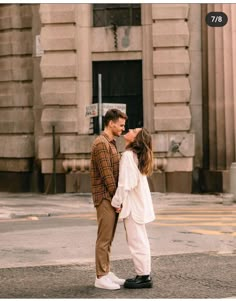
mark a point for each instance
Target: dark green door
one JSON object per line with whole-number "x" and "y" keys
{"x": 121, "y": 83}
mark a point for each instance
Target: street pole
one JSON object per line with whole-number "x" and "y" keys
{"x": 100, "y": 102}
{"x": 54, "y": 160}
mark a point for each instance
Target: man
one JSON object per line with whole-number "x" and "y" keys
{"x": 104, "y": 180}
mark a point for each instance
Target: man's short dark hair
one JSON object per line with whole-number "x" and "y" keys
{"x": 114, "y": 115}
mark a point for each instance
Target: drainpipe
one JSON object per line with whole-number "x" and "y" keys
{"x": 54, "y": 159}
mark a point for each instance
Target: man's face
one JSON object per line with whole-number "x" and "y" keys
{"x": 117, "y": 127}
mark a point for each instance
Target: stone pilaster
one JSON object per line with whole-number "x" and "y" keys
{"x": 147, "y": 59}
{"x": 221, "y": 90}
{"x": 84, "y": 64}
{"x": 16, "y": 90}
{"x": 219, "y": 97}
{"x": 171, "y": 67}
{"x": 233, "y": 39}
{"x": 172, "y": 95}
{"x": 66, "y": 68}
{"x": 59, "y": 73}
{"x": 195, "y": 80}
{"x": 58, "y": 68}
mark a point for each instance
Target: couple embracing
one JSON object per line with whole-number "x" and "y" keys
{"x": 120, "y": 189}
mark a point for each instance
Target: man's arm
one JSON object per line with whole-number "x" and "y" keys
{"x": 103, "y": 159}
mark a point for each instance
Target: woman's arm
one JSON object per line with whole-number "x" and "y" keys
{"x": 128, "y": 179}
{"x": 119, "y": 197}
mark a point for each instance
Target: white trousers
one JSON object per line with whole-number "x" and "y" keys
{"x": 139, "y": 246}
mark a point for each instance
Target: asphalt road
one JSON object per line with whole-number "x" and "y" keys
{"x": 47, "y": 249}
{"x": 175, "y": 276}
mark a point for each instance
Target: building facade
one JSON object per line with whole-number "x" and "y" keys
{"x": 176, "y": 75}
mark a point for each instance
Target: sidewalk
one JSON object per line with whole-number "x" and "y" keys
{"x": 19, "y": 205}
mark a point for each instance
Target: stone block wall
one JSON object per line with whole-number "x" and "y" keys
{"x": 66, "y": 88}
{"x": 70, "y": 43}
{"x": 188, "y": 90}
{"x": 16, "y": 89}
{"x": 175, "y": 140}
{"x": 171, "y": 67}
{"x": 37, "y": 94}
{"x": 58, "y": 69}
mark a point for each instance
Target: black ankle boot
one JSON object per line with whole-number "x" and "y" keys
{"x": 144, "y": 281}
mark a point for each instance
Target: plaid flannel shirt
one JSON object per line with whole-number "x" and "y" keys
{"x": 104, "y": 168}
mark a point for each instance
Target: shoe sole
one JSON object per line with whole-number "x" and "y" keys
{"x": 141, "y": 285}
{"x": 121, "y": 283}
{"x": 106, "y": 288}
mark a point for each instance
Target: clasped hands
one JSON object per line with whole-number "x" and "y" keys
{"x": 116, "y": 205}
{"x": 118, "y": 210}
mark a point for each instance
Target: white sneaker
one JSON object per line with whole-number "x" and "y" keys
{"x": 106, "y": 283}
{"x": 115, "y": 279}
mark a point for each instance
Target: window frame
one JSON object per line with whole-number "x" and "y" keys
{"x": 107, "y": 9}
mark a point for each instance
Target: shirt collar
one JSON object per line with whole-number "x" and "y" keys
{"x": 108, "y": 138}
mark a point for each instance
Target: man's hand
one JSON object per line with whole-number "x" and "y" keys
{"x": 118, "y": 210}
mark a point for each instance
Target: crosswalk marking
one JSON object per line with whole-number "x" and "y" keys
{"x": 201, "y": 220}
{"x": 212, "y": 232}
{"x": 194, "y": 224}
{"x": 90, "y": 216}
{"x": 189, "y": 218}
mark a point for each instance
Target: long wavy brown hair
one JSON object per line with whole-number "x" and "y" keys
{"x": 142, "y": 146}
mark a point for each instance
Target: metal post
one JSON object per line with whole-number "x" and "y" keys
{"x": 54, "y": 160}
{"x": 100, "y": 102}
{"x": 232, "y": 179}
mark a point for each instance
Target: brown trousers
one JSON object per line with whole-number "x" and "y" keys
{"x": 107, "y": 221}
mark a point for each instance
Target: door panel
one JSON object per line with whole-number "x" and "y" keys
{"x": 121, "y": 83}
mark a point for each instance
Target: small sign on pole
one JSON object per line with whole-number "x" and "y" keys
{"x": 92, "y": 110}
{"x": 109, "y": 106}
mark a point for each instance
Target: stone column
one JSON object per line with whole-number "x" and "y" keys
{"x": 221, "y": 79}
{"x": 232, "y": 16}
{"x": 172, "y": 94}
{"x": 220, "y": 97}
{"x": 148, "y": 101}
{"x": 58, "y": 92}
{"x": 84, "y": 64}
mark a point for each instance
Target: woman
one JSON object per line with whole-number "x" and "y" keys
{"x": 133, "y": 200}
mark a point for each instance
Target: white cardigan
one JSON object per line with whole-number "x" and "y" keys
{"x": 133, "y": 191}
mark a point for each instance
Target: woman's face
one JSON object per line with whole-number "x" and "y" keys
{"x": 132, "y": 133}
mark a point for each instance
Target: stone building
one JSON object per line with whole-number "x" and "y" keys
{"x": 176, "y": 75}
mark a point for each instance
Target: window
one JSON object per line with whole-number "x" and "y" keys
{"x": 118, "y": 14}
